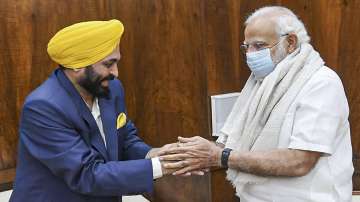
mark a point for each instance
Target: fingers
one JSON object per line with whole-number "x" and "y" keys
{"x": 184, "y": 170}
{"x": 187, "y": 144}
{"x": 174, "y": 165}
{"x": 189, "y": 139}
{"x": 173, "y": 150}
{"x": 186, "y": 174}
{"x": 198, "y": 172}
{"x": 176, "y": 150}
{"x": 182, "y": 148}
{"x": 172, "y": 145}
{"x": 184, "y": 152}
{"x": 174, "y": 157}
{"x": 195, "y": 172}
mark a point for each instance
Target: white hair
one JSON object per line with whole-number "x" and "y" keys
{"x": 286, "y": 22}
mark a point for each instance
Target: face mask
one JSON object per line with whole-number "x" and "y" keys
{"x": 260, "y": 63}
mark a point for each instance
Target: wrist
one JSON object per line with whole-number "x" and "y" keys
{"x": 217, "y": 158}
{"x": 151, "y": 153}
{"x": 163, "y": 169}
{"x": 225, "y": 154}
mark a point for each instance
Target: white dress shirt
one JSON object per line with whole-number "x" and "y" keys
{"x": 320, "y": 124}
{"x": 95, "y": 111}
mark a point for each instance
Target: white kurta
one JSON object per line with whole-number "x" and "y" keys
{"x": 320, "y": 124}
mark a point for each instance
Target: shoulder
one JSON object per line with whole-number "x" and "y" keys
{"x": 325, "y": 80}
{"x": 48, "y": 91}
{"x": 326, "y": 75}
{"x": 49, "y": 99}
{"x": 325, "y": 91}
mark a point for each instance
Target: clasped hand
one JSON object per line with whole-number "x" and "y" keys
{"x": 193, "y": 155}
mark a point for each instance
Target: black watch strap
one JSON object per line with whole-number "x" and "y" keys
{"x": 225, "y": 157}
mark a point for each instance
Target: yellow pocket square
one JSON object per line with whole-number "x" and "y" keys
{"x": 121, "y": 120}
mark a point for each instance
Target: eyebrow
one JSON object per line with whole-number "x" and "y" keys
{"x": 257, "y": 39}
{"x": 255, "y": 42}
{"x": 113, "y": 60}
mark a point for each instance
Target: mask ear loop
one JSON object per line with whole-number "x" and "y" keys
{"x": 278, "y": 41}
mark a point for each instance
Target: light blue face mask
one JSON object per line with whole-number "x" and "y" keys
{"x": 260, "y": 63}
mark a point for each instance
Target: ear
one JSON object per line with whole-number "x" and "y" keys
{"x": 292, "y": 42}
{"x": 74, "y": 73}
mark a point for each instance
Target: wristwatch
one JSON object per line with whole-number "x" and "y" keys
{"x": 225, "y": 157}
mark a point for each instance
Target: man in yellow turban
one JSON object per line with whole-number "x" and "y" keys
{"x": 76, "y": 143}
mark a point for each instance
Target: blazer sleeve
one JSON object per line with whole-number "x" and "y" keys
{"x": 134, "y": 147}
{"x": 49, "y": 137}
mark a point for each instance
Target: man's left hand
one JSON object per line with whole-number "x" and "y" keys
{"x": 195, "y": 153}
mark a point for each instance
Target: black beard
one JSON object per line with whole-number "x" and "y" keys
{"x": 92, "y": 83}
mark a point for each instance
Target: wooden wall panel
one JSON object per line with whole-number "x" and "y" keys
{"x": 48, "y": 17}
{"x": 226, "y": 71}
{"x": 164, "y": 76}
{"x": 349, "y": 71}
{"x": 165, "y": 48}
{"x": 223, "y": 36}
{"x": 175, "y": 54}
{"x": 15, "y": 61}
{"x": 324, "y": 26}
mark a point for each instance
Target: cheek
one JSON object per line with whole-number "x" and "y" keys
{"x": 102, "y": 76}
{"x": 279, "y": 53}
{"x": 273, "y": 53}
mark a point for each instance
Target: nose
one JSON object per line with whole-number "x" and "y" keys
{"x": 114, "y": 70}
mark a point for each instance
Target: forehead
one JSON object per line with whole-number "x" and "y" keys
{"x": 261, "y": 29}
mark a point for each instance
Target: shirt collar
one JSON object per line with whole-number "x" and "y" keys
{"x": 95, "y": 111}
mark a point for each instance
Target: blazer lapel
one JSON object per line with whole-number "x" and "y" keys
{"x": 94, "y": 137}
{"x": 108, "y": 117}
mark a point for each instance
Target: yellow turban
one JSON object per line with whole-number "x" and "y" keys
{"x": 85, "y": 43}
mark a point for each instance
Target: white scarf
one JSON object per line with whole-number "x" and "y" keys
{"x": 256, "y": 119}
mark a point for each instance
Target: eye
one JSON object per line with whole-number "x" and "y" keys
{"x": 259, "y": 45}
{"x": 109, "y": 64}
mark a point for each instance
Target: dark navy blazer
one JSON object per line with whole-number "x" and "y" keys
{"x": 62, "y": 157}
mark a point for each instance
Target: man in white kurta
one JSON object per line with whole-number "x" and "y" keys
{"x": 287, "y": 138}
{"x": 320, "y": 124}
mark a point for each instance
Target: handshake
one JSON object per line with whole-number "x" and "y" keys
{"x": 188, "y": 156}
